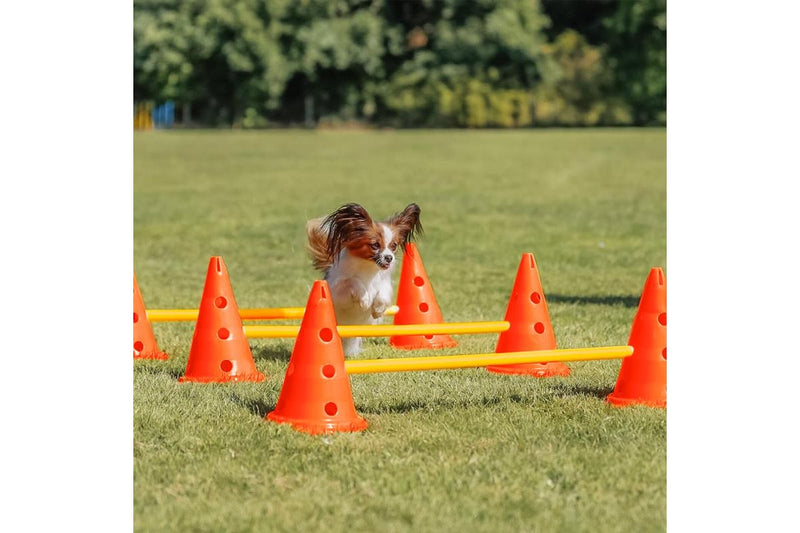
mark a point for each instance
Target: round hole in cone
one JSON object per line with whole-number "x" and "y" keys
{"x": 328, "y": 371}
{"x": 326, "y": 334}
{"x": 221, "y": 302}
{"x": 224, "y": 333}
{"x": 662, "y": 319}
{"x": 226, "y": 365}
{"x": 135, "y": 318}
{"x": 418, "y": 281}
{"x": 138, "y": 346}
{"x": 536, "y": 297}
{"x": 423, "y": 307}
{"x": 538, "y": 327}
{"x": 331, "y": 409}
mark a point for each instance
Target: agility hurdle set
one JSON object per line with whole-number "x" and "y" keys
{"x": 316, "y": 396}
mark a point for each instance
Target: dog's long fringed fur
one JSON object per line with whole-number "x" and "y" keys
{"x": 357, "y": 256}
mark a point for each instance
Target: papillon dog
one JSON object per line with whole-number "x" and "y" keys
{"x": 357, "y": 255}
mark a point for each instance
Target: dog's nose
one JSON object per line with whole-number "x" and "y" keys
{"x": 388, "y": 258}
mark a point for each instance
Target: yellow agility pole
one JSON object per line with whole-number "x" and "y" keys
{"x": 385, "y": 330}
{"x": 448, "y": 362}
{"x": 270, "y": 313}
{"x": 178, "y": 315}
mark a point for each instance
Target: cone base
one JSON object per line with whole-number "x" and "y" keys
{"x": 538, "y": 370}
{"x": 320, "y": 427}
{"x": 154, "y": 355}
{"x": 421, "y": 342}
{"x": 619, "y": 401}
{"x": 255, "y": 376}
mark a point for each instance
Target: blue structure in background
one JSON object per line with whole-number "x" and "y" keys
{"x": 164, "y": 115}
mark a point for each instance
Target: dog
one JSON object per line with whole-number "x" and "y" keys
{"x": 357, "y": 256}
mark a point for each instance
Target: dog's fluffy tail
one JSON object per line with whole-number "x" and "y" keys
{"x": 317, "y": 245}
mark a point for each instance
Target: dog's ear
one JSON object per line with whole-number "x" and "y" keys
{"x": 349, "y": 222}
{"x": 406, "y": 224}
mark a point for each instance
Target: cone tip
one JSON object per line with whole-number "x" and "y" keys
{"x": 217, "y": 264}
{"x": 320, "y": 289}
{"x": 654, "y": 292}
{"x": 657, "y": 276}
{"x": 528, "y": 260}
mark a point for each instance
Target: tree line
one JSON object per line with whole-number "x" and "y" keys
{"x": 409, "y": 63}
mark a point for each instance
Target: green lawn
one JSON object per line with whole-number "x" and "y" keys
{"x": 461, "y": 450}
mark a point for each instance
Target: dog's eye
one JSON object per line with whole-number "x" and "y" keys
{"x": 375, "y": 246}
{"x": 393, "y": 246}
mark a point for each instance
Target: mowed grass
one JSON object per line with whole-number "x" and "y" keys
{"x": 461, "y": 450}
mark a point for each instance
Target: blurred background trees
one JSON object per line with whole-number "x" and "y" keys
{"x": 411, "y": 63}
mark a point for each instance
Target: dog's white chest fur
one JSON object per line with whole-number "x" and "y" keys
{"x": 359, "y": 289}
{"x": 361, "y": 293}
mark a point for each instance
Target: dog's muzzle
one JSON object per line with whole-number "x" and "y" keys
{"x": 384, "y": 261}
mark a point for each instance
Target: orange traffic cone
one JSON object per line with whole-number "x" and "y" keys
{"x": 643, "y": 376}
{"x": 417, "y": 305}
{"x": 316, "y": 396}
{"x": 144, "y": 342}
{"x": 220, "y": 351}
{"x": 530, "y": 324}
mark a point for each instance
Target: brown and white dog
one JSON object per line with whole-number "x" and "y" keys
{"x": 357, "y": 255}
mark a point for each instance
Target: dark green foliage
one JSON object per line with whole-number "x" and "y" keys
{"x": 465, "y": 63}
{"x": 472, "y": 64}
{"x": 223, "y": 55}
{"x": 637, "y": 50}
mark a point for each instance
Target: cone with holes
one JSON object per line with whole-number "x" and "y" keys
{"x": 220, "y": 351}
{"x": 643, "y": 376}
{"x": 417, "y": 305}
{"x": 144, "y": 342}
{"x": 530, "y": 324}
{"x": 316, "y": 396}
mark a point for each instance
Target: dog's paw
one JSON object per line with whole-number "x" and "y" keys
{"x": 360, "y": 296}
{"x": 378, "y": 309}
{"x": 361, "y": 300}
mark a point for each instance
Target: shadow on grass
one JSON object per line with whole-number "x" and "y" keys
{"x": 272, "y": 353}
{"x": 626, "y": 301}
{"x": 408, "y": 406}
{"x": 156, "y": 368}
{"x": 555, "y": 392}
{"x": 175, "y": 374}
{"x": 260, "y": 408}
{"x": 563, "y": 390}
{"x": 257, "y": 407}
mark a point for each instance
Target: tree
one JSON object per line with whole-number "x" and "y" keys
{"x": 338, "y": 50}
{"x": 637, "y": 53}
{"x": 472, "y": 63}
{"x": 581, "y": 93}
{"x": 631, "y": 37}
{"x": 224, "y": 55}
{"x": 457, "y": 53}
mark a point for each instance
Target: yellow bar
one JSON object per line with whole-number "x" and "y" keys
{"x": 447, "y": 362}
{"x": 385, "y": 330}
{"x": 273, "y": 313}
{"x": 271, "y": 332}
{"x": 171, "y": 315}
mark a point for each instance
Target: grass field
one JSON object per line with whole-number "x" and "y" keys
{"x": 461, "y": 450}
